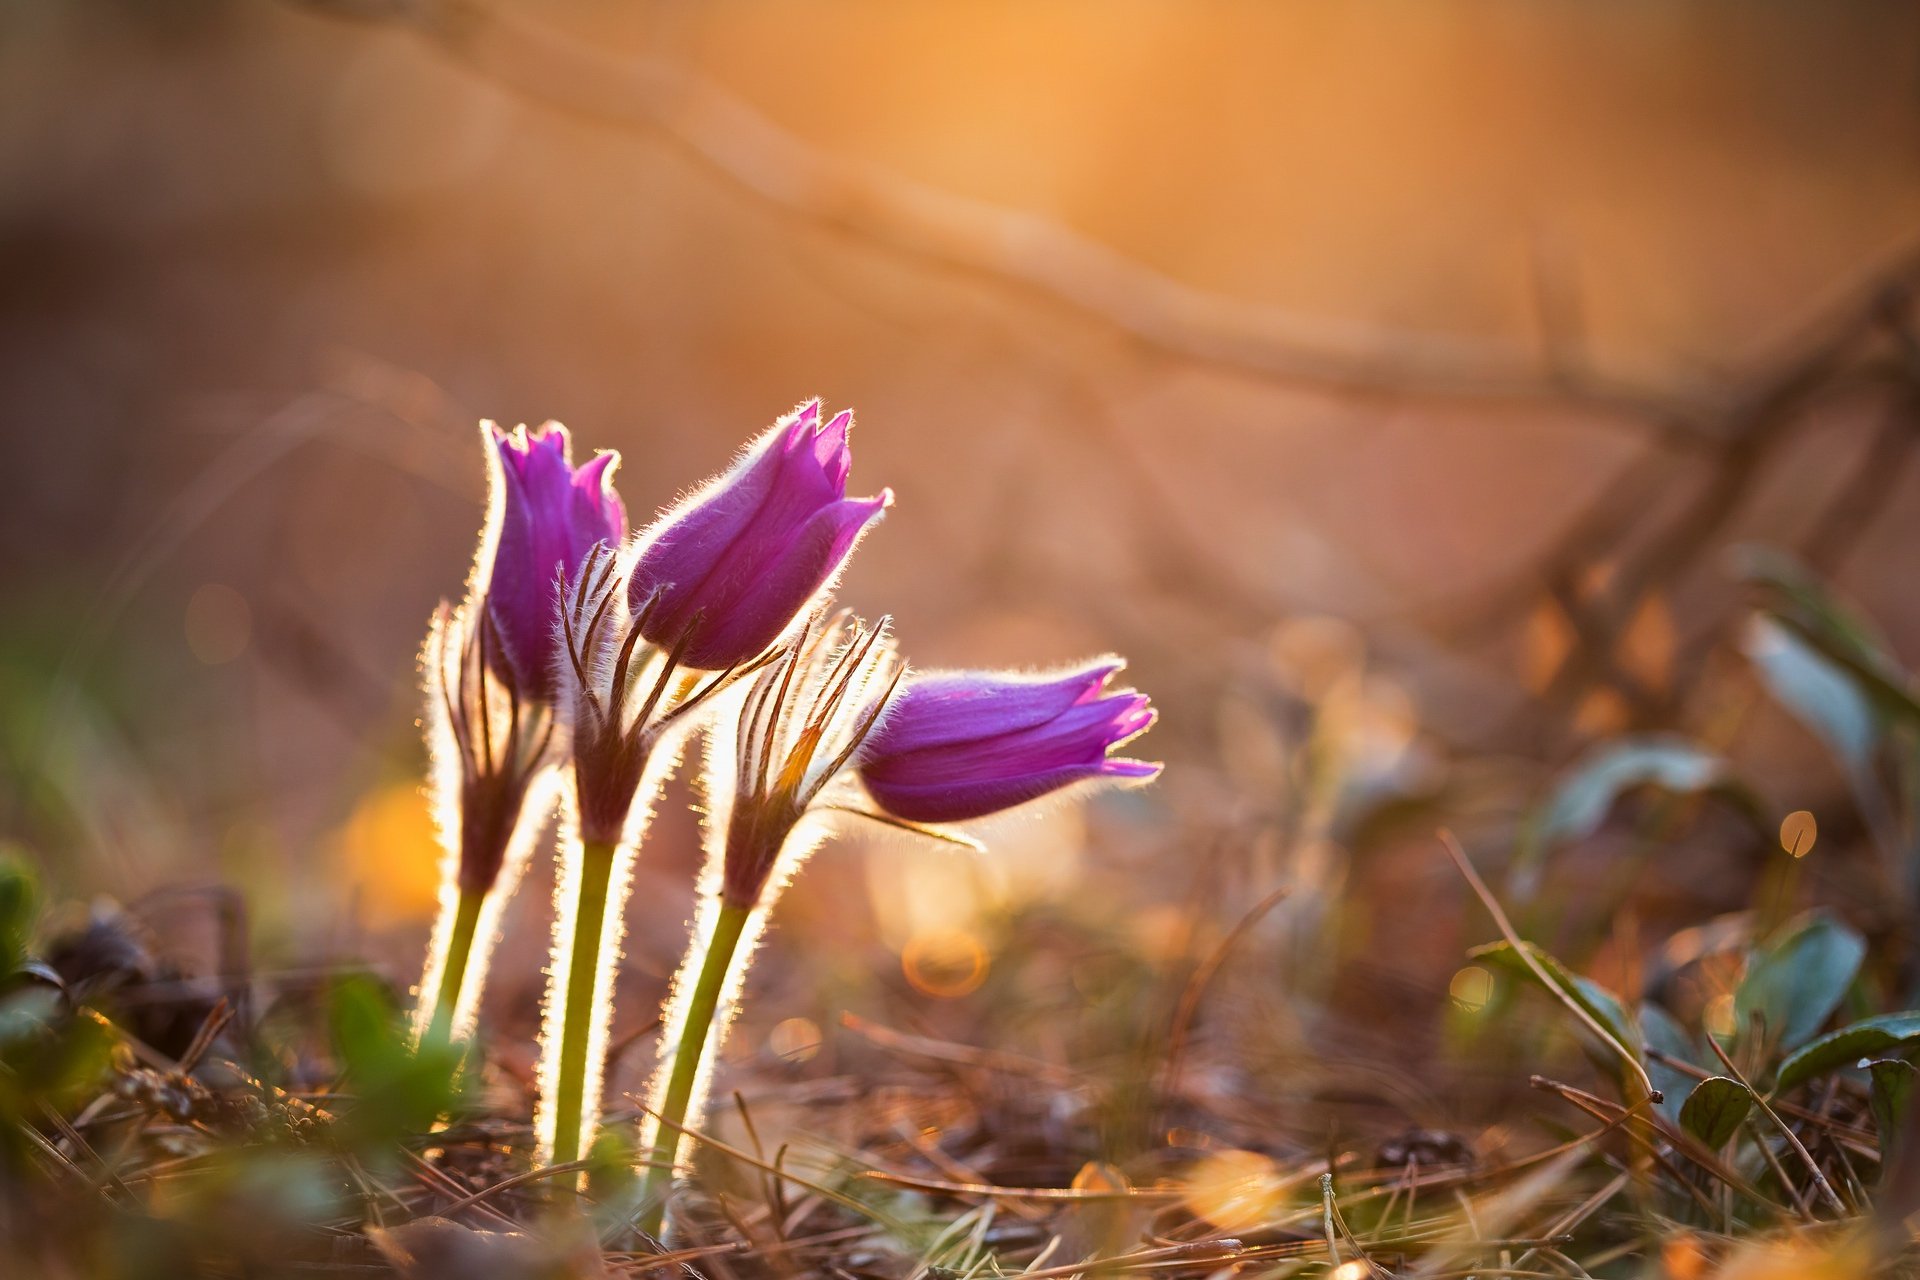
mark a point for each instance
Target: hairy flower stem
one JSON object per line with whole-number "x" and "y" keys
{"x": 715, "y": 969}
{"x": 576, "y": 1027}
{"x": 453, "y": 972}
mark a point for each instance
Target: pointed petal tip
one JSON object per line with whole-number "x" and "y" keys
{"x": 802, "y": 419}
{"x": 1132, "y": 721}
{"x": 597, "y": 471}
{"x": 1132, "y": 770}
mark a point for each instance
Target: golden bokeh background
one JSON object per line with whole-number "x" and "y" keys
{"x": 266, "y": 264}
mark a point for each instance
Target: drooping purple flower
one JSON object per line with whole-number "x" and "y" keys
{"x": 549, "y": 515}
{"x": 742, "y": 557}
{"x": 965, "y": 745}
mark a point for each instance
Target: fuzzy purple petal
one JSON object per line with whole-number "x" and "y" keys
{"x": 959, "y": 747}
{"x": 933, "y": 711}
{"x": 750, "y": 601}
{"x": 734, "y": 566}
{"x": 1080, "y": 735}
{"x": 551, "y": 515}
{"x": 948, "y": 802}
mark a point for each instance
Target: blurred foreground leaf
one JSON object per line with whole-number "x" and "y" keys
{"x": 19, "y": 909}
{"x": 393, "y": 1090}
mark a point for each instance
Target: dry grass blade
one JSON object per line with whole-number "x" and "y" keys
{"x": 1520, "y": 949}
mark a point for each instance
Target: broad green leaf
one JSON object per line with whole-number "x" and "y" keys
{"x": 1820, "y": 693}
{"x": 1585, "y": 795}
{"x": 1600, "y": 1004}
{"x": 1848, "y": 1045}
{"x": 1804, "y": 606}
{"x": 1714, "y": 1110}
{"x": 1664, "y": 1033}
{"x": 1798, "y": 979}
{"x": 1892, "y": 1088}
{"x": 1587, "y": 792}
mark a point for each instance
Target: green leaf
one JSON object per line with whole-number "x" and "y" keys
{"x": 1664, "y": 1033}
{"x": 1587, "y": 792}
{"x": 1821, "y": 694}
{"x": 1600, "y": 1004}
{"x": 19, "y": 909}
{"x": 1714, "y": 1110}
{"x": 1796, "y": 982}
{"x": 1892, "y": 1087}
{"x": 1584, "y": 797}
{"x": 395, "y": 1089}
{"x": 1804, "y": 606}
{"x": 1848, "y": 1045}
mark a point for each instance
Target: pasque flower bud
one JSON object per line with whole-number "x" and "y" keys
{"x": 726, "y": 573}
{"x": 958, "y": 746}
{"x": 551, "y": 515}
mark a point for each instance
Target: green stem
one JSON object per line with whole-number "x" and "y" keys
{"x": 453, "y": 972}
{"x": 727, "y": 929}
{"x": 576, "y": 1027}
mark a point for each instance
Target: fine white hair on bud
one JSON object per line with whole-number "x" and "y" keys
{"x": 492, "y": 783}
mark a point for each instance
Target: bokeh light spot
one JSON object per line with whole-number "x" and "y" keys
{"x": 1471, "y": 988}
{"x": 391, "y": 853}
{"x": 794, "y": 1040}
{"x": 944, "y": 963}
{"x": 219, "y": 624}
{"x": 1235, "y": 1190}
{"x": 1798, "y": 832}
{"x": 1718, "y": 1017}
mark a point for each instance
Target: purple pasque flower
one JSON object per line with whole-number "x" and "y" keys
{"x": 724, "y": 574}
{"x": 546, "y": 515}
{"x": 967, "y": 744}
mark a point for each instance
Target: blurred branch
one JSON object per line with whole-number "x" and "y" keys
{"x": 1844, "y": 357}
{"x": 1865, "y": 493}
{"x": 1011, "y": 247}
{"x": 1736, "y": 429}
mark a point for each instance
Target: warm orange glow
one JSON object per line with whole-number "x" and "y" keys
{"x": 1682, "y": 1258}
{"x": 945, "y": 963}
{"x": 392, "y": 856}
{"x": 1235, "y": 1190}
